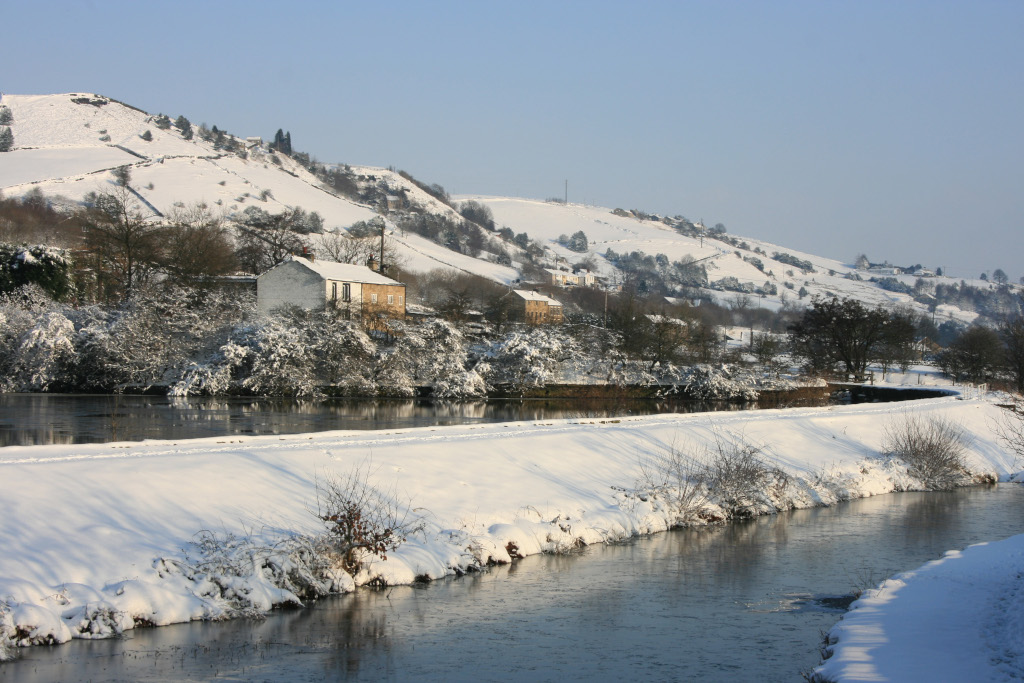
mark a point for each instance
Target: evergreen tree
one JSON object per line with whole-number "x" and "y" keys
{"x": 282, "y": 142}
{"x": 6, "y": 139}
{"x": 6, "y": 118}
{"x": 185, "y": 126}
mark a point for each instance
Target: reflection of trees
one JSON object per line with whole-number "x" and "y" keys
{"x": 929, "y": 517}
{"x": 139, "y": 417}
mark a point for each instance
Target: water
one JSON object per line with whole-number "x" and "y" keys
{"x": 39, "y": 419}
{"x": 745, "y": 602}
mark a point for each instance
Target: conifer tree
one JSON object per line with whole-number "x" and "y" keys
{"x": 6, "y": 139}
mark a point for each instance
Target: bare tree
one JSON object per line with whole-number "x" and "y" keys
{"x": 196, "y": 244}
{"x": 123, "y": 241}
{"x": 1012, "y": 332}
{"x": 342, "y": 247}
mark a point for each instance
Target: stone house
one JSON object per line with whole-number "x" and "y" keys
{"x": 312, "y": 284}
{"x": 536, "y": 309}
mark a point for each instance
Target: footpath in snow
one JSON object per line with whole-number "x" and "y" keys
{"x": 98, "y": 539}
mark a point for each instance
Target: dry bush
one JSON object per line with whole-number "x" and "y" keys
{"x": 676, "y": 476}
{"x": 360, "y": 520}
{"x": 1010, "y": 430}
{"x": 740, "y": 479}
{"x": 732, "y": 473}
{"x": 932, "y": 447}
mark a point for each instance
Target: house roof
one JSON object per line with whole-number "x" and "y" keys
{"x": 345, "y": 272}
{"x": 535, "y": 296}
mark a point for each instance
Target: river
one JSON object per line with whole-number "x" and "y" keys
{"x": 42, "y": 419}
{"x": 742, "y": 602}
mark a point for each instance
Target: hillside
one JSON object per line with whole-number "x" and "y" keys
{"x": 66, "y": 145}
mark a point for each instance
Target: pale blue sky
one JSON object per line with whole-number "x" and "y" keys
{"x": 892, "y": 128}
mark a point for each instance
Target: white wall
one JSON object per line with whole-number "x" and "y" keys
{"x": 289, "y": 284}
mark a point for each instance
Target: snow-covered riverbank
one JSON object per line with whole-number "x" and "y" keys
{"x": 101, "y": 538}
{"x": 958, "y": 618}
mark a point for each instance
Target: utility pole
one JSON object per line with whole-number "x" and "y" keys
{"x": 381, "y": 270}
{"x": 606, "y": 308}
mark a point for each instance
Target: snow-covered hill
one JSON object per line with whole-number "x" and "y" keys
{"x": 66, "y": 145}
{"x": 546, "y": 221}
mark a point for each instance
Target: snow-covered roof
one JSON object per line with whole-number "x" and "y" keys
{"x": 346, "y": 272}
{"x": 535, "y": 296}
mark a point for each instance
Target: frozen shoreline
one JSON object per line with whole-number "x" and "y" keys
{"x": 89, "y": 525}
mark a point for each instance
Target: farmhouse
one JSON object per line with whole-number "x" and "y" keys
{"x": 311, "y": 284}
{"x": 537, "y": 309}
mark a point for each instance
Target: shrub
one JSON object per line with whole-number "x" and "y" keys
{"x": 932, "y": 448}
{"x": 675, "y": 476}
{"x": 361, "y": 521}
{"x": 739, "y": 479}
{"x": 1010, "y": 430}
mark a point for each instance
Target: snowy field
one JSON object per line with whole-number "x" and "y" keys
{"x": 100, "y": 538}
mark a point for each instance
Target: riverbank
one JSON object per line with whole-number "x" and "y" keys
{"x": 954, "y": 619}
{"x": 101, "y": 538}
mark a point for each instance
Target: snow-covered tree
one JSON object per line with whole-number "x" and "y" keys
{"x": 6, "y": 139}
{"x": 527, "y": 358}
{"x": 578, "y": 242}
{"x": 435, "y": 355}
{"x": 48, "y": 267}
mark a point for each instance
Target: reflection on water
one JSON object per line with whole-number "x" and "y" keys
{"x": 36, "y": 419}
{"x": 733, "y": 603}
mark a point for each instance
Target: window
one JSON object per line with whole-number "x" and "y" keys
{"x": 391, "y": 298}
{"x": 373, "y": 298}
{"x": 346, "y": 292}
{"x": 334, "y": 291}
{"x": 401, "y": 300}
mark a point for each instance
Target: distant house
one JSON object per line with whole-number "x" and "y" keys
{"x": 536, "y": 309}
{"x": 312, "y": 284}
{"x": 576, "y": 278}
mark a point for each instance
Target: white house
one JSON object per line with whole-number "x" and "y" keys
{"x": 311, "y": 284}
{"x": 563, "y": 278}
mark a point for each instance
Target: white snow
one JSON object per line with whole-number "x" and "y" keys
{"x": 958, "y": 618}
{"x": 92, "y": 533}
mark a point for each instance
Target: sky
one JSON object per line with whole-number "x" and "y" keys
{"x": 892, "y": 129}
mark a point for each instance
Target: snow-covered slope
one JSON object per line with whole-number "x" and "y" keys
{"x": 66, "y": 145}
{"x": 67, "y": 148}
{"x": 546, "y": 221}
